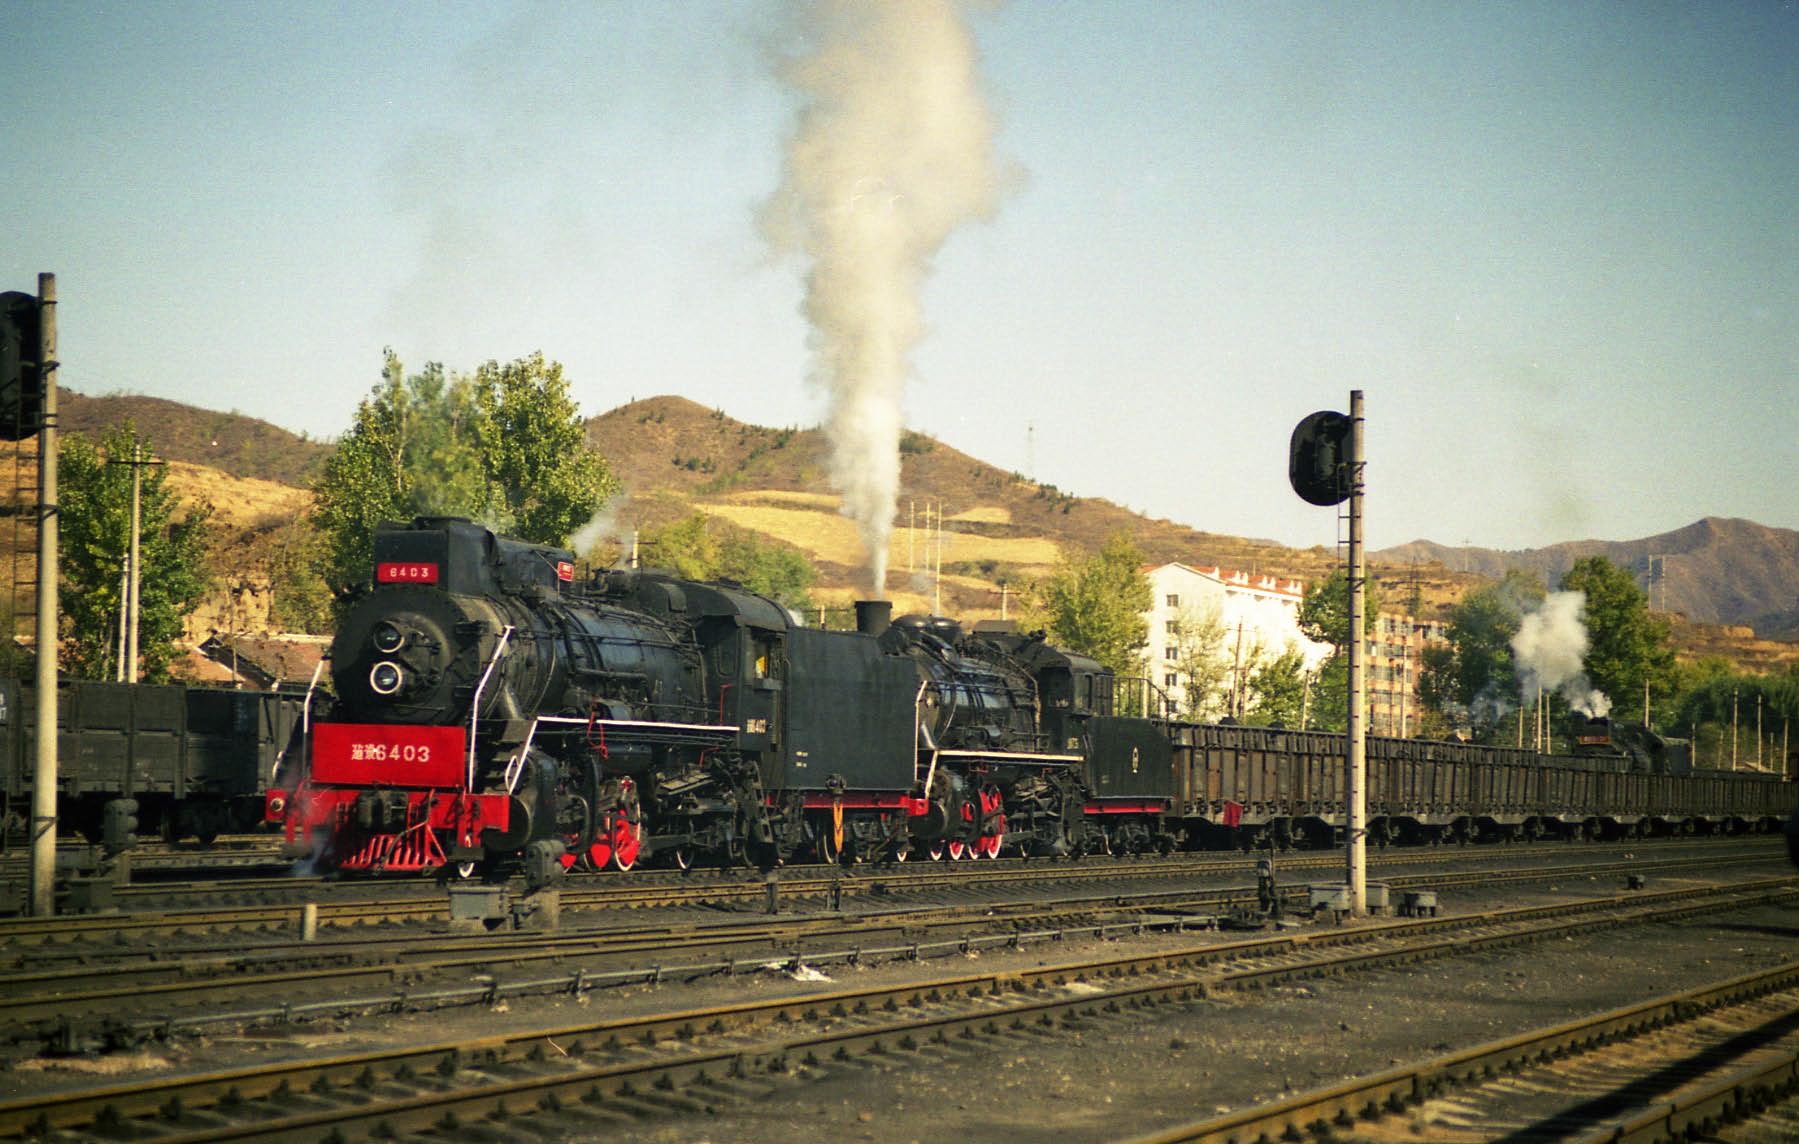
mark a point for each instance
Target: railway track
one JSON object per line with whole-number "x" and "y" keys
{"x": 369, "y": 904}
{"x": 1670, "y": 1069}
{"x": 190, "y": 988}
{"x": 576, "y": 1077}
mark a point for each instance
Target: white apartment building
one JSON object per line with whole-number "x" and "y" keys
{"x": 1255, "y": 618}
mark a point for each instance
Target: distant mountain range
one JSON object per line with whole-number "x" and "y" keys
{"x": 675, "y": 456}
{"x": 1714, "y": 571}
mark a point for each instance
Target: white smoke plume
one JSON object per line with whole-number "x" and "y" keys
{"x": 1549, "y": 649}
{"x": 601, "y": 526}
{"x": 891, "y": 152}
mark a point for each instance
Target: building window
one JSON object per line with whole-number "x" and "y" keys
{"x": 1171, "y": 680}
{"x": 1174, "y": 627}
{"x": 1174, "y": 600}
{"x": 1171, "y": 653}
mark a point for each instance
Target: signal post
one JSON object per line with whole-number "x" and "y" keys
{"x": 1325, "y": 466}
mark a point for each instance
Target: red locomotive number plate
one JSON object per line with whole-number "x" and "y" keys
{"x": 405, "y": 572}
{"x": 386, "y": 754}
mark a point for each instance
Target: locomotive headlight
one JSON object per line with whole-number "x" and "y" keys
{"x": 387, "y": 638}
{"x": 386, "y": 678}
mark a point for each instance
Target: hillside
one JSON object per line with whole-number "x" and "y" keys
{"x": 674, "y": 456}
{"x": 229, "y": 442}
{"x": 1714, "y": 571}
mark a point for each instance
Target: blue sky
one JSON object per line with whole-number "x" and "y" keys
{"x": 1556, "y": 244}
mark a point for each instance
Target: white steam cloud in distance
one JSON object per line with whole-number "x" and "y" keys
{"x": 1549, "y": 649}
{"x": 602, "y": 525}
{"x": 891, "y": 152}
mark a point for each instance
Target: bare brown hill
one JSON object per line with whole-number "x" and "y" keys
{"x": 229, "y": 442}
{"x": 674, "y": 456}
{"x": 1714, "y": 571}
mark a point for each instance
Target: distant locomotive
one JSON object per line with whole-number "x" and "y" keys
{"x": 489, "y": 707}
{"x": 1646, "y": 751}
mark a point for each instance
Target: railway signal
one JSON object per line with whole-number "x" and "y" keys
{"x": 1318, "y": 458}
{"x": 21, "y": 380}
{"x": 1324, "y": 465}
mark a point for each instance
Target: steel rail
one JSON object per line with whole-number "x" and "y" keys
{"x": 376, "y": 1091}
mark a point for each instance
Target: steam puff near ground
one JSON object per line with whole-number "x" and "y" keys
{"x": 891, "y": 152}
{"x": 1549, "y": 649}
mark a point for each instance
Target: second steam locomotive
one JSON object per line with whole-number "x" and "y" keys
{"x": 488, "y": 706}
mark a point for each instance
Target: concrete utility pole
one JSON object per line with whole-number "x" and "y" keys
{"x": 134, "y": 557}
{"x": 137, "y": 524}
{"x": 1355, "y": 793}
{"x": 43, "y": 779}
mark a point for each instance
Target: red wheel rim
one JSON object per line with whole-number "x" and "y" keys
{"x": 627, "y": 843}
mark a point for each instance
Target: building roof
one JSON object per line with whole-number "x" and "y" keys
{"x": 1274, "y": 585}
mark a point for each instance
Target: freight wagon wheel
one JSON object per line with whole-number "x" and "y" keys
{"x": 465, "y": 870}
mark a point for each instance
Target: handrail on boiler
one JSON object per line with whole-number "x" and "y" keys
{"x": 474, "y": 714}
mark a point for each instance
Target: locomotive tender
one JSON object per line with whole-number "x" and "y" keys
{"x": 488, "y": 706}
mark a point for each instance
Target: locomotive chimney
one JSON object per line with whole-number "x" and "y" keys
{"x": 873, "y": 616}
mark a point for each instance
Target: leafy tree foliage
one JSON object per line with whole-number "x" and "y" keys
{"x": 1473, "y": 677}
{"x": 1324, "y": 613}
{"x": 95, "y": 513}
{"x": 1096, "y": 605}
{"x": 701, "y": 548}
{"x": 1628, "y": 645}
{"x": 540, "y": 474}
{"x": 298, "y": 599}
{"x": 1277, "y": 690}
{"x": 1324, "y": 616}
{"x": 1718, "y": 706}
{"x": 1202, "y": 662}
{"x": 506, "y": 446}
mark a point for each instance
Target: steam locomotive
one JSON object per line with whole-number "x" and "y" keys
{"x": 487, "y": 707}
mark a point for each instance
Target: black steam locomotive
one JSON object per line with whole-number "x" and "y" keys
{"x": 488, "y": 706}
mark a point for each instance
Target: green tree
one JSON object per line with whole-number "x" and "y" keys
{"x": 1324, "y": 613}
{"x": 1097, "y": 605}
{"x": 506, "y": 446}
{"x": 1277, "y": 690}
{"x": 1628, "y": 646}
{"x": 1324, "y": 616}
{"x": 1472, "y": 676}
{"x": 701, "y": 548}
{"x": 365, "y": 481}
{"x": 685, "y": 547}
{"x": 94, "y": 498}
{"x": 291, "y": 552}
{"x": 1201, "y": 660}
{"x": 533, "y": 447}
